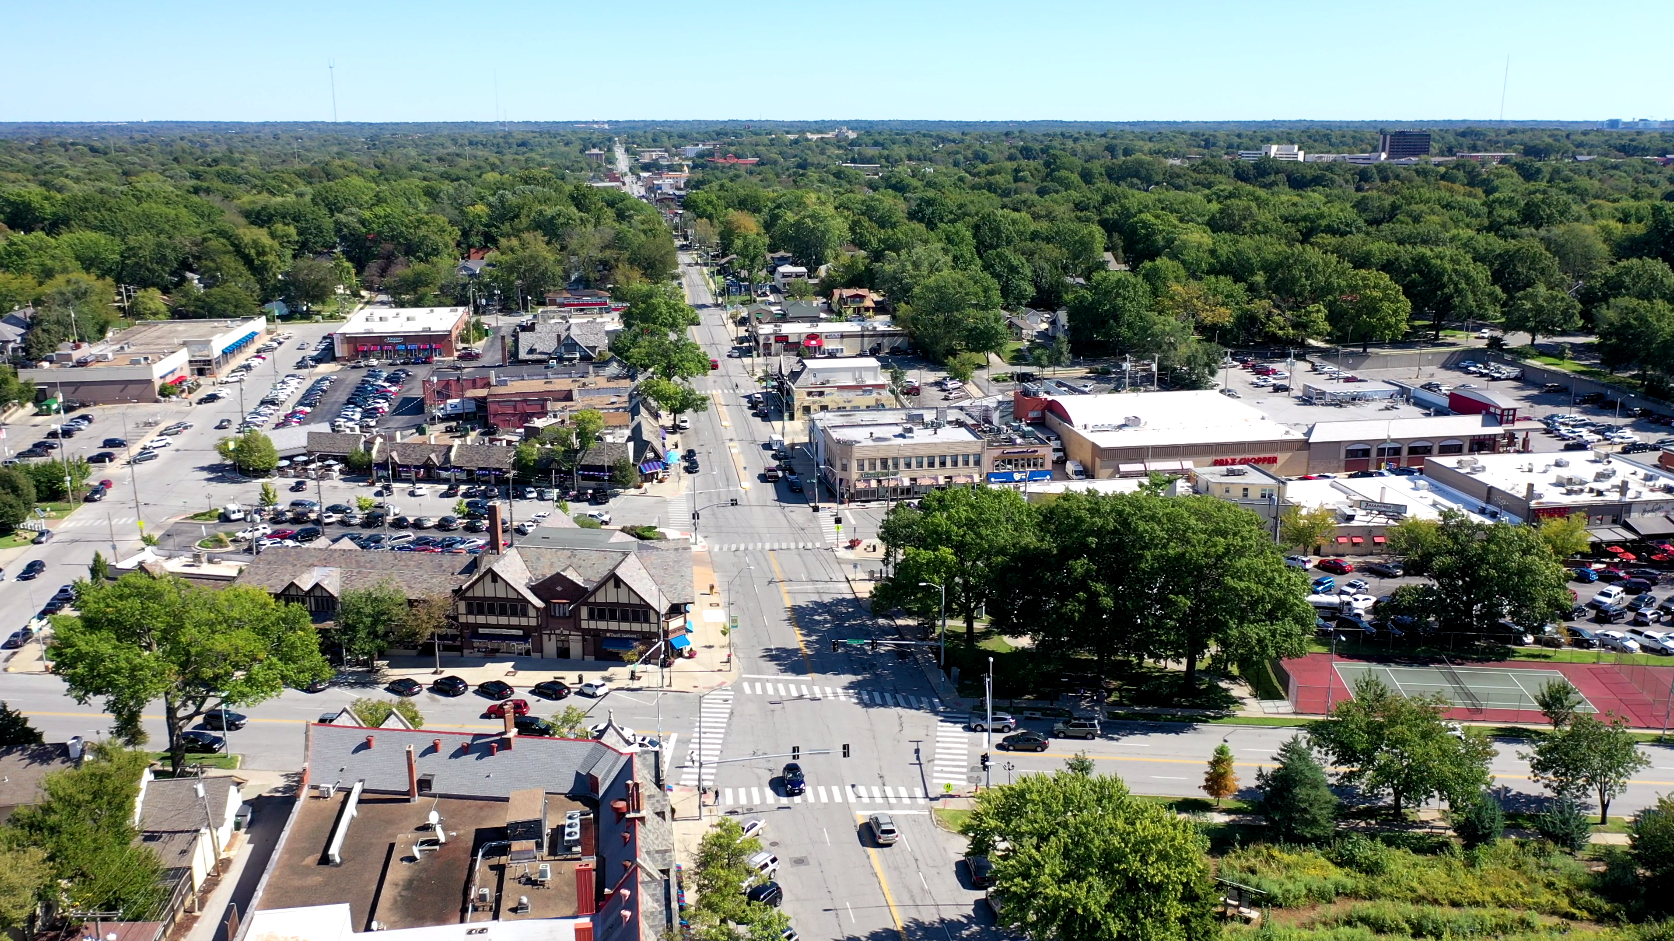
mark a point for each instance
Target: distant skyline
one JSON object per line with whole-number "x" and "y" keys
{"x": 979, "y": 60}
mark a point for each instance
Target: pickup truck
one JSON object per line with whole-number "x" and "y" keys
{"x": 771, "y": 473}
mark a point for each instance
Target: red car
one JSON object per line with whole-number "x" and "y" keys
{"x": 1336, "y": 566}
{"x": 714, "y": 363}
{"x": 519, "y": 707}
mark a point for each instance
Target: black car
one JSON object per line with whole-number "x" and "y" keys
{"x": 532, "y": 725}
{"x": 405, "y": 686}
{"x": 1638, "y": 586}
{"x": 308, "y": 534}
{"x": 981, "y": 869}
{"x": 1025, "y": 741}
{"x": 691, "y": 454}
{"x": 103, "y": 457}
{"x": 476, "y": 526}
{"x": 32, "y": 570}
{"x": 795, "y": 782}
{"x": 18, "y": 639}
{"x": 768, "y": 893}
{"x": 1383, "y": 569}
{"x": 299, "y": 486}
{"x": 451, "y": 686}
{"x": 448, "y": 523}
{"x": 551, "y": 689}
{"x": 199, "y": 742}
{"x": 691, "y": 466}
{"x": 227, "y": 721}
{"x": 113, "y": 443}
{"x": 46, "y": 445}
{"x": 401, "y": 522}
{"x": 496, "y": 689}
{"x": 1610, "y": 615}
{"x": 94, "y": 495}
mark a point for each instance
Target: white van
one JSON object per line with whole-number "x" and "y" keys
{"x": 1075, "y": 470}
{"x": 776, "y": 442}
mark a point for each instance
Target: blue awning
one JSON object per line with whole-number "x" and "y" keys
{"x": 680, "y": 642}
{"x": 618, "y": 643}
{"x": 673, "y": 457}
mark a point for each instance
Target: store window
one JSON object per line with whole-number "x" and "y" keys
{"x": 1451, "y": 447}
{"x": 1357, "y": 452}
{"x": 1420, "y": 448}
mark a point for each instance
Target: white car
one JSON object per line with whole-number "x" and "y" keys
{"x": 161, "y": 441}
{"x": 752, "y": 828}
{"x": 541, "y": 515}
{"x": 600, "y": 515}
{"x": 1652, "y": 641}
{"x": 598, "y": 688}
{"x": 1607, "y": 596}
{"x": 1616, "y": 640}
{"x": 1357, "y": 602}
{"x": 255, "y": 532}
{"x": 418, "y": 490}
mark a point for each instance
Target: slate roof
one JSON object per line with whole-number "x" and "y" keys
{"x": 419, "y": 574}
{"x": 661, "y": 573}
{"x": 173, "y": 804}
{"x": 547, "y": 339}
{"x": 482, "y": 456}
{"x": 334, "y": 444}
{"x": 463, "y": 767}
{"x": 416, "y": 453}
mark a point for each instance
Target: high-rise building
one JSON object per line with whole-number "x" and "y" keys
{"x": 1398, "y": 144}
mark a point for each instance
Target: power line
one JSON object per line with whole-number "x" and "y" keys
{"x": 1504, "y": 83}
{"x": 331, "y": 66}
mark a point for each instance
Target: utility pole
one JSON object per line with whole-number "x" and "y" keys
{"x": 331, "y": 66}
{"x": 987, "y": 736}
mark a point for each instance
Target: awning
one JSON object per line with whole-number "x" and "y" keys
{"x": 618, "y": 643}
{"x": 177, "y": 380}
{"x": 1655, "y": 525}
{"x": 927, "y": 481}
{"x": 680, "y": 642}
{"x": 1342, "y": 539}
{"x": 651, "y": 467}
{"x": 962, "y": 479}
{"x": 1377, "y": 539}
{"x": 865, "y": 484}
{"x": 1610, "y": 534}
{"x": 1356, "y": 540}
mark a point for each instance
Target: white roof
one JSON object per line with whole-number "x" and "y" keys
{"x": 875, "y": 325}
{"x": 1373, "y": 430}
{"x": 840, "y": 370}
{"x": 1597, "y": 477}
{"x": 1421, "y": 497}
{"x": 1141, "y": 419}
{"x": 880, "y": 433}
{"x": 394, "y": 321}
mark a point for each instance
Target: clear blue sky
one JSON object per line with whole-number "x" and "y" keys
{"x": 970, "y": 60}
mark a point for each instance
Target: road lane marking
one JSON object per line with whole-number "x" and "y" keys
{"x": 889, "y": 898}
{"x": 790, "y": 614}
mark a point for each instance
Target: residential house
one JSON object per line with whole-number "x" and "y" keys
{"x": 23, "y": 767}
{"x": 12, "y": 328}
{"x": 188, "y": 822}
{"x": 855, "y": 302}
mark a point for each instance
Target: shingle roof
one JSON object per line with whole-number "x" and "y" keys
{"x": 415, "y": 453}
{"x": 21, "y": 769}
{"x": 334, "y": 444}
{"x": 419, "y": 574}
{"x": 463, "y": 767}
{"x": 174, "y": 804}
{"x": 482, "y": 456}
{"x": 661, "y": 573}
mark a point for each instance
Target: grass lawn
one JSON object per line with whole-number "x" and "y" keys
{"x": 950, "y": 818}
{"x": 207, "y": 516}
{"x": 222, "y": 762}
{"x": 17, "y": 539}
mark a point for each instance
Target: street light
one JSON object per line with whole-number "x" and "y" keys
{"x": 942, "y": 655}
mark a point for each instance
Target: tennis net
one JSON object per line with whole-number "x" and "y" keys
{"x": 1465, "y": 696}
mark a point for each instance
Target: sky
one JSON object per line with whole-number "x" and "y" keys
{"x": 1103, "y": 60}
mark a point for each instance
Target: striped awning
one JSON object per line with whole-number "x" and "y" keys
{"x": 651, "y": 467}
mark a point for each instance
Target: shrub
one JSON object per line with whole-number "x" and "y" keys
{"x": 1479, "y": 821}
{"x": 1565, "y": 825}
{"x": 1362, "y": 855}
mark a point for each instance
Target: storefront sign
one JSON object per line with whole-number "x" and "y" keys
{"x": 1387, "y": 509}
{"x": 1022, "y": 451}
{"x": 498, "y": 631}
{"x": 1017, "y": 477}
{"x": 1234, "y": 461}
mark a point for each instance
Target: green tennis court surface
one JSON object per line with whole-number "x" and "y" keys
{"x": 1464, "y": 687}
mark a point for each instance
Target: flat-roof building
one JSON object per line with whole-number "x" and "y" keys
{"x": 131, "y": 364}
{"x": 1131, "y": 434}
{"x": 894, "y": 453}
{"x": 872, "y": 337}
{"x": 1622, "y": 500}
{"x": 837, "y": 384}
{"x": 402, "y": 333}
{"x": 1370, "y": 443}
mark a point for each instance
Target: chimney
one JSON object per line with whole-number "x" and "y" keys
{"x": 412, "y": 775}
{"x": 496, "y": 529}
{"x": 494, "y": 748}
{"x": 1528, "y": 491}
{"x": 511, "y": 727}
{"x": 368, "y": 741}
{"x": 436, "y": 743}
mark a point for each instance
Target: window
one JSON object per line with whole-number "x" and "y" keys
{"x": 1419, "y": 448}
{"x": 942, "y": 461}
{"x": 1389, "y": 450}
{"x": 559, "y": 609}
{"x": 1267, "y": 493}
{"x": 844, "y": 463}
{"x": 1451, "y": 447}
{"x": 920, "y": 460}
{"x": 1246, "y": 493}
{"x": 1357, "y": 452}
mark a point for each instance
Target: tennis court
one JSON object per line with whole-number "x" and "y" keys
{"x": 1464, "y": 687}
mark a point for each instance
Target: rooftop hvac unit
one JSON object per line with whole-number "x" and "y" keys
{"x": 1560, "y": 462}
{"x": 907, "y": 430}
{"x": 1464, "y": 463}
{"x": 1134, "y": 421}
{"x": 1235, "y": 471}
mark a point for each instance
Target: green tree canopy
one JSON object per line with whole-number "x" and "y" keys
{"x": 1587, "y": 757}
{"x": 1296, "y": 797}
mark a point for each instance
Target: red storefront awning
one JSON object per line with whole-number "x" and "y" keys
{"x": 1342, "y": 539}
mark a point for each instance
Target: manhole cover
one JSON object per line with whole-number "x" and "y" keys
{"x": 799, "y": 860}
{"x": 773, "y": 843}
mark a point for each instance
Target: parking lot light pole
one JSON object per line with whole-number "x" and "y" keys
{"x": 941, "y": 656}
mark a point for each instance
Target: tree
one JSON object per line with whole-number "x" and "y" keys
{"x": 1369, "y": 306}
{"x": 17, "y": 496}
{"x": 1478, "y": 820}
{"x": 1400, "y": 746}
{"x": 1077, "y": 856}
{"x": 1542, "y": 310}
{"x": 720, "y": 867}
{"x": 1220, "y": 781}
{"x": 269, "y": 494}
{"x": 1558, "y": 701}
{"x": 85, "y": 827}
{"x": 372, "y": 713}
{"x": 1307, "y": 530}
{"x": 956, "y": 311}
{"x": 1651, "y": 836}
{"x": 424, "y": 620}
{"x": 140, "y": 639}
{"x": 676, "y": 398}
{"x": 1566, "y": 536}
{"x": 252, "y": 453}
{"x": 23, "y": 874}
{"x": 1484, "y": 572}
{"x": 99, "y": 569}
{"x": 1586, "y": 756}
{"x": 570, "y": 723}
{"x": 962, "y": 366}
{"x": 1296, "y": 797}
{"x": 624, "y": 475}
{"x": 366, "y": 618}
{"x": 813, "y": 236}
{"x": 960, "y": 538}
{"x": 1564, "y": 824}
{"x": 359, "y": 461}
{"x": 1634, "y": 333}
{"x": 15, "y": 728}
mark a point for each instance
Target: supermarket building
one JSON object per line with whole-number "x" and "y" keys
{"x": 402, "y": 333}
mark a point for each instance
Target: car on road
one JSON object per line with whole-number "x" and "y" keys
{"x": 533, "y": 725}
{"x": 1002, "y": 722}
{"x": 593, "y": 689}
{"x": 883, "y": 829}
{"x": 518, "y": 707}
{"x": 768, "y": 893}
{"x": 405, "y": 686}
{"x": 225, "y": 720}
{"x": 981, "y": 869}
{"x": 551, "y": 689}
{"x": 198, "y": 742}
{"x": 1076, "y": 728}
{"x": 142, "y": 457}
{"x": 496, "y": 689}
{"x": 1029, "y": 740}
{"x": 32, "y": 570}
{"x": 451, "y": 686}
{"x": 1336, "y": 566}
{"x": 751, "y": 828}
{"x": 795, "y": 782}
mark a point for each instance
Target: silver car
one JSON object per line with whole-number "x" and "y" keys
{"x": 1003, "y": 722}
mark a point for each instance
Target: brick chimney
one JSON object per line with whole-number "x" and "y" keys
{"x": 511, "y": 726}
{"x": 412, "y": 775}
{"x": 496, "y": 529}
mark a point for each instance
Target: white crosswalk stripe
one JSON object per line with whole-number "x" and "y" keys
{"x": 762, "y": 546}
{"x": 863, "y": 696}
{"x": 714, "y": 712}
{"x": 95, "y": 521}
{"x": 952, "y": 754}
{"x": 755, "y": 797}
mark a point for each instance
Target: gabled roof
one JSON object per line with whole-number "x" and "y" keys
{"x": 417, "y": 453}
{"x": 329, "y": 443}
{"x": 511, "y": 569}
{"x": 174, "y": 804}
{"x": 476, "y": 456}
{"x": 419, "y": 574}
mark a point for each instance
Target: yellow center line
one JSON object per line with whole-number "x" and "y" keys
{"x": 889, "y": 898}
{"x": 159, "y": 718}
{"x": 790, "y": 613}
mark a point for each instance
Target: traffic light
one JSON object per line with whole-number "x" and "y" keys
{"x": 796, "y": 752}
{"x": 874, "y": 645}
{"x": 845, "y": 750}
{"x": 985, "y": 761}
{"x": 835, "y": 645}
{"x": 838, "y": 519}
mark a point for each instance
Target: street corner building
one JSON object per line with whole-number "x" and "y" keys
{"x": 402, "y": 333}
{"x": 446, "y": 836}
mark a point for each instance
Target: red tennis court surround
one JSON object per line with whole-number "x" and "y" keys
{"x": 1638, "y": 694}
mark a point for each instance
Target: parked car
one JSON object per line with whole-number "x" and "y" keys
{"x": 1025, "y": 741}
{"x": 767, "y": 893}
{"x": 1383, "y": 569}
{"x": 197, "y": 742}
{"x": 1616, "y": 640}
{"x": 979, "y": 722}
{"x": 1606, "y": 596}
{"x": 1584, "y": 575}
{"x": 1298, "y": 561}
{"x": 533, "y": 725}
{"x": 551, "y": 689}
{"x": 593, "y": 689}
{"x": 1076, "y": 728}
{"x": 1581, "y": 637}
{"x": 451, "y": 686}
{"x": 405, "y": 686}
{"x": 1336, "y": 566}
{"x": 495, "y": 689}
{"x": 981, "y": 869}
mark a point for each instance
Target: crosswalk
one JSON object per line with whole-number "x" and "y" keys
{"x": 828, "y": 528}
{"x": 714, "y": 712}
{"x": 952, "y": 754}
{"x": 865, "y": 697}
{"x": 872, "y": 795}
{"x": 763, "y": 546}
{"x": 95, "y": 521}
{"x": 679, "y": 511}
